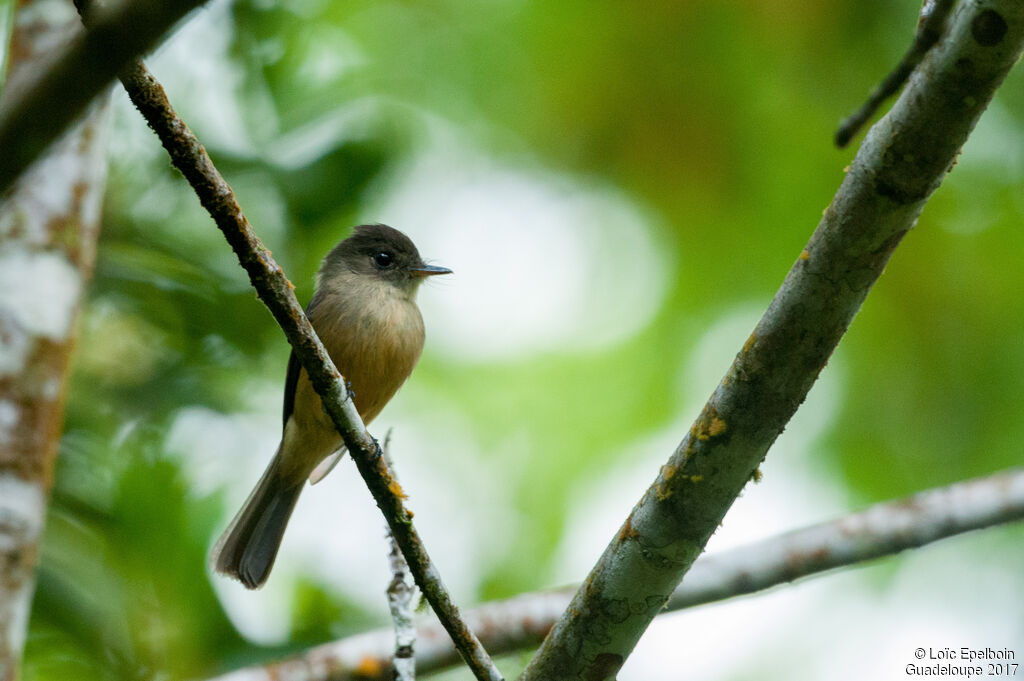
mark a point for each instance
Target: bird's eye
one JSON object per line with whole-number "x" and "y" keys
{"x": 384, "y": 260}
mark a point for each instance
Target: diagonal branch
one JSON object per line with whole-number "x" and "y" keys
{"x": 881, "y": 530}
{"x": 274, "y": 289}
{"x": 902, "y": 161}
{"x": 34, "y": 114}
{"x": 522, "y": 622}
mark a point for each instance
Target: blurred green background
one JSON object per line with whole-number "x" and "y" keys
{"x": 620, "y": 188}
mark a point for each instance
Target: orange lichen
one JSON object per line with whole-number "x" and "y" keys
{"x": 805, "y": 254}
{"x": 664, "y": 488}
{"x": 396, "y": 489}
{"x": 709, "y": 425}
{"x": 369, "y": 667}
{"x": 717, "y": 427}
{"x": 750, "y": 343}
{"x": 627, "y": 531}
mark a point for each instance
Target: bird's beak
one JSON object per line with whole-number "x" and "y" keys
{"x": 428, "y": 270}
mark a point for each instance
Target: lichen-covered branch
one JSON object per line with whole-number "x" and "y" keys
{"x": 274, "y": 289}
{"x": 48, "y": 229}
{"x": 522, "y": 622}
{"x": 901, "y": 162}
{"x": 882, "y": 530}
{"x": 402, "y": 603}
{"x": 43, "y": 101}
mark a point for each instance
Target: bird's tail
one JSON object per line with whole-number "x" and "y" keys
{"x": 247, "y": 549}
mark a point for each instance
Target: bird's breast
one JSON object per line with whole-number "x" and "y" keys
{"x": 375, "y": 343}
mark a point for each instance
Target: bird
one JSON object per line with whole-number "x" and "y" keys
{"x": 364, "y": 311}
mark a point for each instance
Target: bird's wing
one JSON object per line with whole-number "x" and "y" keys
{"x": 326, "y": 466}
{"x": 291, "y": 382}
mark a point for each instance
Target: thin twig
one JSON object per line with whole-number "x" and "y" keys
{"x": 402, "y": 603}
{"x": 930, "y": 27}
{"x": 37, "y": 110}
{"x": 401, "y": 598}
{"x": 274, "y": 289}
{"x": 521, "y": 622}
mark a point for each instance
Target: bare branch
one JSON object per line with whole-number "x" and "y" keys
{"x": 401, "y": 600}
{"x": 522, "y": 622}
{"x": 930, "y": 27}
{"x": 881, "y": 530}
{"x": 36, "y": 110}
{"x": 274, "y": 289}
{"x": 48, "y": 229}
{"x": 902, "y": 161}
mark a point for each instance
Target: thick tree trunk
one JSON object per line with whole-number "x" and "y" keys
{"x": 48, "y": 229}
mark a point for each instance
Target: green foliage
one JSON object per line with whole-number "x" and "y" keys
{"x": 716, "y": 118}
